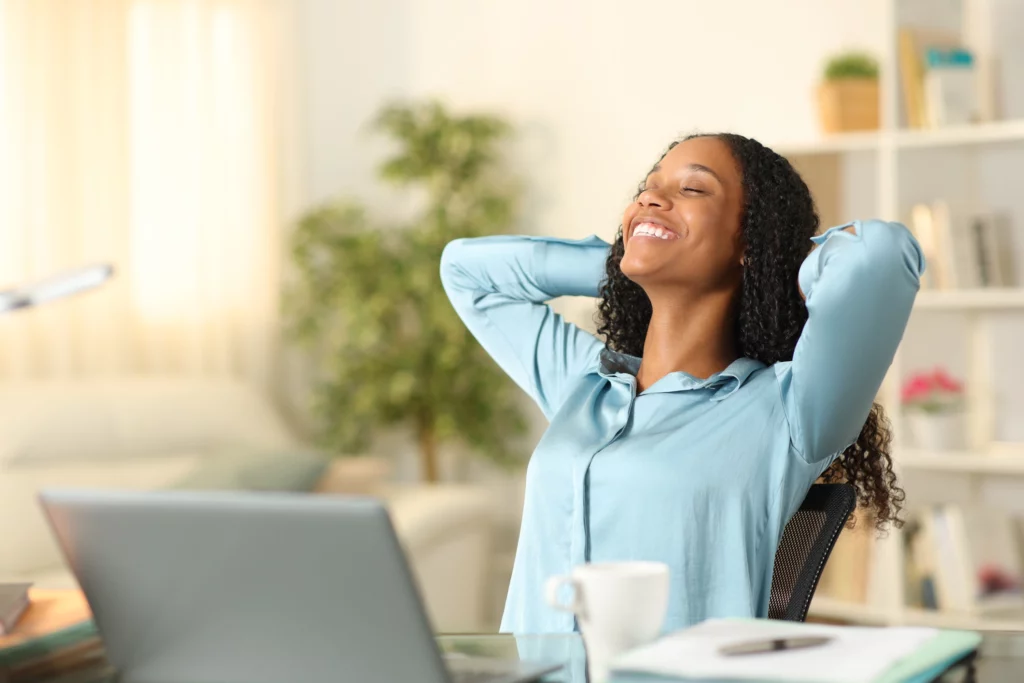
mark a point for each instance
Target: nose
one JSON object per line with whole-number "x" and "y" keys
{"x": 651, "y": 198}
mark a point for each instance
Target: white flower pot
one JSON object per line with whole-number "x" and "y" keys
{"x": 938, "y": 431}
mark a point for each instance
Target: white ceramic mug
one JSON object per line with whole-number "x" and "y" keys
{"x": 619, "y": 606}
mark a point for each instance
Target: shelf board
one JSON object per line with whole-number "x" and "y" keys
{"x": 825, "y": 607}
{"x": 970, "y": 299}
{"x": 972, "y": 134}
{"x": 858, "y": 613}
{"x": 831, "y": 144}
{"x": 974, "y": 463}
{"x": 995, "y": 131}
{"x": 913, "y": 616}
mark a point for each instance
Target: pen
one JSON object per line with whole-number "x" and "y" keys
{"x": 751, "y": 647}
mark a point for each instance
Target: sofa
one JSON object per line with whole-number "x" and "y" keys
{"x": 146, "y": 433}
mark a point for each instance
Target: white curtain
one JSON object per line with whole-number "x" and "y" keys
{"x": 150, "y": 134}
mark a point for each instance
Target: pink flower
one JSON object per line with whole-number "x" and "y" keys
{"x": 945, "y": 382}
{"x": 929, "y": 387}
{"x": 919, "y": 386}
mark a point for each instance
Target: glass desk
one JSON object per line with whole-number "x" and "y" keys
{"x": 1000, "y": 660}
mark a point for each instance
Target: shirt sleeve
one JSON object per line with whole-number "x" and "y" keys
{"x": 860, "y": 289}
{"x": 500, "y": 285}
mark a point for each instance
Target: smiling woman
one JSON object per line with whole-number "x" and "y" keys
{"x": 693, "y": 431}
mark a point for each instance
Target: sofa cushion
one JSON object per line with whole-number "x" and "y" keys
{"x": 256, "y": 470}
{"x": 90, "y": 420}
{"x": 26, "y": 542}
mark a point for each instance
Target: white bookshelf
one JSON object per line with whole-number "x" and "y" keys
{"x": 974, "y": 168}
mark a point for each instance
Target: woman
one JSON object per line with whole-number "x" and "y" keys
{"x": 736, "y": 370}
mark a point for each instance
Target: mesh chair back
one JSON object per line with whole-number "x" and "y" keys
{"x": 806, "y": 543}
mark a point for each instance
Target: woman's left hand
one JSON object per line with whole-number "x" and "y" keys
{"x": 852, "y": 230}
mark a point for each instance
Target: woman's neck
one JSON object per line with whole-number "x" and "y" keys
{"x": 696, "y": 337}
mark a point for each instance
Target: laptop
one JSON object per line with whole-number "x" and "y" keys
{"x": 196, "y": 587}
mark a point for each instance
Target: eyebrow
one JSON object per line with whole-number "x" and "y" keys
{"x": 700, "y": 168}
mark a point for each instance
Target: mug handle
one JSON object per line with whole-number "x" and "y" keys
{"x": 555, "y": 584}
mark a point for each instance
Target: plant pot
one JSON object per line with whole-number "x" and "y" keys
{"x": 358, "y": 475}
{"x": 848, "y": 105}
{"x": 938, "y": 431}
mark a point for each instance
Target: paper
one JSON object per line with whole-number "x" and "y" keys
{"x": 855, "y": 654}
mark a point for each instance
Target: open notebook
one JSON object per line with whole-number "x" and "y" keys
{"x": 854, "y": 655}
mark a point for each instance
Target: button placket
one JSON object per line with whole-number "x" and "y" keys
{"x": 620, "y": 381}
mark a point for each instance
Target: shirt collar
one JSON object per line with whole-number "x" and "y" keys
{"x": 614, "y": 364}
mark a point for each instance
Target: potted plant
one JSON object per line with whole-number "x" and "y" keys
{"x": 367, "y": 306}
{"x": 848, "y": 97}
{"x": 933, "y": 405}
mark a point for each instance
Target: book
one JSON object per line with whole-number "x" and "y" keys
{"x": 954, "y": 584}
{"x": 911, "y": 80}
{"x": 956, "y": 250}
{"x": 922, "y": 225}
{"x": 949, "y": 85}
{"x": 13, "y": 603}
{"x": 992, "y": 250}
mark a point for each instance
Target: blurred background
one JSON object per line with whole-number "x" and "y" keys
{"x": 273, "y": 181}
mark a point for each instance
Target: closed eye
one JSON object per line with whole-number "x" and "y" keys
{"x": 692, "y": 189}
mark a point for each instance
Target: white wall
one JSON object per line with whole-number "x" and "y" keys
{"x": 596, "y": 88}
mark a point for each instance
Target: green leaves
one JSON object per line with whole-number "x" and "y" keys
{"x": 442, "y": 151}
{"x": 851, "y": 65}
{"x": 366, "y": 300}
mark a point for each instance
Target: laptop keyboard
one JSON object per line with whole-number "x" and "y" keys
{"x": 462, "y": 669}
{"x": 476, "y": 676}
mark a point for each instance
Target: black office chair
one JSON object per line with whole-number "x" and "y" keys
{"x": 806, "y": 543}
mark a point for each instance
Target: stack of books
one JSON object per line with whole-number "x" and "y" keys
{"x": 964, "y": 559}
{"x": 54, "y": 635}
{"x": 938, "y": 78}
{"x": 963, "y": 252}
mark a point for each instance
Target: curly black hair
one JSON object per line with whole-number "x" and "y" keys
{"x": 778, "y": 220}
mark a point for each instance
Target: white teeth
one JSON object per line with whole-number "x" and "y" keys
{"x": 653, "y": 230}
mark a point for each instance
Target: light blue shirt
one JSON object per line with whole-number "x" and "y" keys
{"x": 701, "y": 474}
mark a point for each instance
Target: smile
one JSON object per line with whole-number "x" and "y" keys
{"x": 648, "y": 229}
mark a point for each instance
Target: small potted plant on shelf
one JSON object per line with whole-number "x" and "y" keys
{"x": 848, "y": 97}
{"x": 933, "y": 406}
